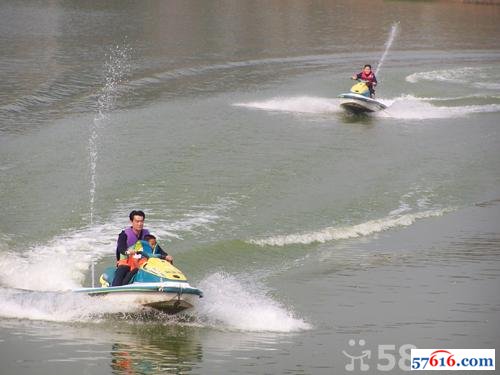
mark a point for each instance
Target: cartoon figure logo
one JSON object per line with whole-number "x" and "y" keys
{"x": 364, "y": 354}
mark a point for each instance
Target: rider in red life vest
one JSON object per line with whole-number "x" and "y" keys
{"x": 367, "y": 75}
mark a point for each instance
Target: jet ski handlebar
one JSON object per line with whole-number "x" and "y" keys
{"x": 360, "y": 80}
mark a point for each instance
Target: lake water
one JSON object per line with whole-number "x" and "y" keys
{"x": 316, "y": 236}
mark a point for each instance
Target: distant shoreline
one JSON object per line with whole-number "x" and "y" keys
{"x": 480, "y": 2}
{"x": 474, "y": 2}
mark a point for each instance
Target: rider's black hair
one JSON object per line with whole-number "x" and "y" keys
{"x": 136, "y": 213}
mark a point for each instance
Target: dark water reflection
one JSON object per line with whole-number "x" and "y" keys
{"x": 157, "y": 349}
{"x": 127, "y": 348}
{"x": 124, "y": 346}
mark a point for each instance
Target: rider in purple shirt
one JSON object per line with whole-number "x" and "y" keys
{"x": 128, "y": 237}
{"x": 132, "y": 234}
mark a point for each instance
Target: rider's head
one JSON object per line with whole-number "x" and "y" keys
{"x": 137, "y": 220}
{"x": 136, "y": 213}
{"x": 367, "y": 68}
{"x": 151, "y": 240}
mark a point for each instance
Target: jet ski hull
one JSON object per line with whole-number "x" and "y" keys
{"x": 356, "y": 103}
{"x": 169, "y": 297}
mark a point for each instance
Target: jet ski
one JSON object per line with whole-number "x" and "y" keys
{"x": 359, "y": 101}
{"x": 157, "y": 284}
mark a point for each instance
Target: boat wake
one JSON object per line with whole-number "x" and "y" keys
{"x": 410, "y": 107}
{"x": 298, "y": 104}
{"x": 407, "y": 107}
{"x": 230, "y": 303}
{"x": 475, "y": 77}
{"x": 56, "y": 306}
{"x": 393, "y": 220}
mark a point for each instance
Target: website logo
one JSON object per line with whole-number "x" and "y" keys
{"x": 385, "y": 357}
{"x": 453, "y": 359}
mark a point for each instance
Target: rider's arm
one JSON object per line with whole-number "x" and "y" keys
{"x": 121, "y": 245}
{"x": 160, "y": 251}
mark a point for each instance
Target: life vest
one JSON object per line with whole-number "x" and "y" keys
{"x": 368, "y": 77}
{"x": 131, "y": 261}
{"x": 132, "y": 238}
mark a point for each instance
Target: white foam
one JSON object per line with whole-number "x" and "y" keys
{"x": 412, "y": 108}
{"x": 487, "y": 85}
{"x": 478, "y": 77}
{"x": 458, "y": 75}
{"x": 403, "y": 207}
{"x": 298, "y": 104}
{"x": 228, "y": 303}
{"x": 56, "y": 306}
{"x": 342, "y": 233}
{"x": 58, "y": 265}
{"x": 406, "y": 107}
{"x": 446, "y": 99}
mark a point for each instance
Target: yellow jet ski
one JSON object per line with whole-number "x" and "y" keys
{"x": 157, "y": 284}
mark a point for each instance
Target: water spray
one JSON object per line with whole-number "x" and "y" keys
{"x": 117, "y": 67}
{"x": 388, "y": 44}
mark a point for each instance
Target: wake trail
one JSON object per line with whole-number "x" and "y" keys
{"x": 347, "y": 232}
{"x": 405, "y": 107}
{"x": 295, "y": 104}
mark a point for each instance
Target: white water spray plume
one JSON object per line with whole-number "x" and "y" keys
{"x": 117, "y": 67}
{"x": 388, "y": 44}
